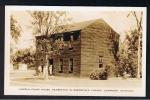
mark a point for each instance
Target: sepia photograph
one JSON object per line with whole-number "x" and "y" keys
{"x": 75, "y": 51}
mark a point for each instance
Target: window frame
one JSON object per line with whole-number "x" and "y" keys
{"x": 100, "y": 61}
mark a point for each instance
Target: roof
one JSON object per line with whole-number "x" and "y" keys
{"x": 81, "y": 25}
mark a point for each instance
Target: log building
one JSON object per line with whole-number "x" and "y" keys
{"x": 86, "y": 46}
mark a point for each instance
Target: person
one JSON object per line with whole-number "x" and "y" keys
{"x": 50, "y": 70}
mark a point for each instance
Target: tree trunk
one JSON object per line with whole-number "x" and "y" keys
{"x": 139, "y": 58}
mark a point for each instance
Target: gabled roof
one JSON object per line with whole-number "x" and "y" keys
{"x": 84, "y": 24}
{"x": 81, "y": 25}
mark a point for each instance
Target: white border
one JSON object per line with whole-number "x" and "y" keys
{"x": 10, "y": 90}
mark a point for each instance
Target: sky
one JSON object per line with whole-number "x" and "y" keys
{"x": 118, "y": 20}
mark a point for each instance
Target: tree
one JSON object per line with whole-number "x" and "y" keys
{"x": 48, "y": 23}
{"x": 24, "y": 56}
{"x": 15, "y": 29}
{"x": 15, "y": 32}
{"x": 128, "y": 54}
{"x": 139, "y": 32}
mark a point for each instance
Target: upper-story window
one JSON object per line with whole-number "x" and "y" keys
{"x": 71, "y": 36}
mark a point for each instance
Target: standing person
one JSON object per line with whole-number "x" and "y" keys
{"x": 50, "y": 70}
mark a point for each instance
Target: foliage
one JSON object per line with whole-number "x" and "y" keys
{"x": 45, "y": 45}
{"x": 114, "y": 44}
{"x": 24, "y": 56}
{"x": 139, "y": 29}
{"x": 49, "y": 22}
{"x": 129, "y": 54}
{"x": 115, "y": 49}
{"x": 99, "y": 74}
{"x": 15, "y": 32}
{"x": 15, "y": 29}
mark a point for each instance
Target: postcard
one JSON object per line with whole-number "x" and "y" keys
{"x": 75, "y": 51}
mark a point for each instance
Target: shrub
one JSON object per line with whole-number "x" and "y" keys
{"x": 99, "y": 74}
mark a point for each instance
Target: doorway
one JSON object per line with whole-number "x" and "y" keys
{"x": 50, "y": 67}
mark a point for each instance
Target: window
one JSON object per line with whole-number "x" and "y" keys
{"x": 61, "y": 66}
{"x": 70, "y": 65}
{"x": 100, "y": 61}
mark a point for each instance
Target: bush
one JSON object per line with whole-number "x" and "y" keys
{"x": 99, "y": 74}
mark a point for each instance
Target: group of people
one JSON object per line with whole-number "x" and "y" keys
{"x": 45, "y": 71}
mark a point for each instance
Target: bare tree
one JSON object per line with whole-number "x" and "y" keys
{"x": 49, "y": 22}
{"x": 139, "y": 30}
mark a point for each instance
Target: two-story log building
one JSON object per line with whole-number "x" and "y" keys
{"x": 86, "y": 46}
